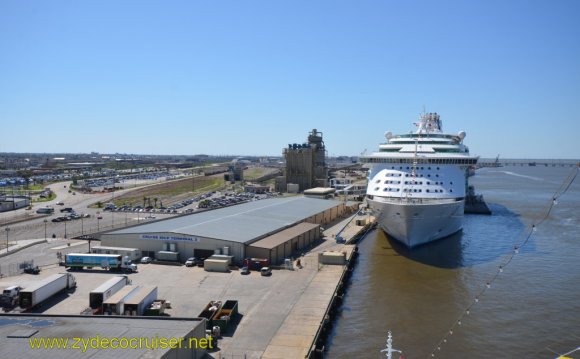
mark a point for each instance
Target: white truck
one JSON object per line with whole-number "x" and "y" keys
{"x": 9, "y": 297}
{"x": 112, "y": 262}
{"x": 45, "y": 289}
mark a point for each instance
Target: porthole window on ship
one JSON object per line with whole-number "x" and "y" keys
{"x": 451, "y": 182}
{"x": 436, "y": 175}
{"x": 427, "y": 190}
{"x": 376, "y": 188}
{"x": 429, "y": 175}
{"x": 378, "y": 181}
{"x": 437, "y": 167}
{"x": 450, "y": 190}
{"x": 428, "y": 168}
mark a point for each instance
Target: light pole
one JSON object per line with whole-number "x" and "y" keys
{"x": 82, "y": 224}
{"x": 45, "y": 221}
{"x": 7, "y": 231}
{"x": 65, "y": 229}
{"x": 98, "y": 220}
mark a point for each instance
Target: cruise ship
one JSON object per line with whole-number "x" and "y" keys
{"x": 418, "y": 182}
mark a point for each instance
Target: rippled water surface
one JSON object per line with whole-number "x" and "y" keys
{"x": 532, "y": 308}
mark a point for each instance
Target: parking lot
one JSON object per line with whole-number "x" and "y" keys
{"x": 264, "y": 301}
{"x": 215, "y": 199}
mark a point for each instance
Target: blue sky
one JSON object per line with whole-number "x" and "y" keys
{"x": 249, "y": 77}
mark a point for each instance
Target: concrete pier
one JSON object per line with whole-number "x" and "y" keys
{"x": 294, "y": 324}
{"x": 306, "y": 324}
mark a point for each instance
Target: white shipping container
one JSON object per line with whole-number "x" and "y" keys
{"x": 216, "y": 265}
{"x": 106, "y": 290}
{"x": 133, "y": 253}
{"x": 138, "y": 301}
{"x": 115, "y": 304}
{"x": 330, "y": 257}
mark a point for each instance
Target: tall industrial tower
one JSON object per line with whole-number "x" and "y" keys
{"x": 305, "y": 163}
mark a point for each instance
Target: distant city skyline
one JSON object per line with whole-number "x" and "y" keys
{"x": 248, "y": 78}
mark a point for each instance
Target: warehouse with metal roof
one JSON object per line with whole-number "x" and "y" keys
{"x": 100, "y": 337}
{"x": 231, "y": 230}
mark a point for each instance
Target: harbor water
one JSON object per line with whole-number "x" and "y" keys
{"x": 473, "y": 295}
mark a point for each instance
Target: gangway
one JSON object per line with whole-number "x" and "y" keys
{"x": 338, "y": 238}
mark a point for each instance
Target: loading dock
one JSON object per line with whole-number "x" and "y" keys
{"x": 283, "y": 244}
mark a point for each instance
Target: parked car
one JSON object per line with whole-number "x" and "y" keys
{"x": 31, "y": 269}
{"x": 245, "y": 270}
{"x": 190, "y": 262}
{"x": 266, "y": 271}
{"x": 146, "y": 260}
{"x": 60, "y": 203}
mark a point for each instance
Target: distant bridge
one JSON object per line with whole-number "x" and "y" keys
{"x": 531, "y": 163}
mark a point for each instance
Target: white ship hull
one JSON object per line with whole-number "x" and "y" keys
{"x": 414, "y": 224}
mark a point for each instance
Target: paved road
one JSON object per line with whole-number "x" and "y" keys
{"x": 35, "y": 227}
{"x": 42, "y": 255}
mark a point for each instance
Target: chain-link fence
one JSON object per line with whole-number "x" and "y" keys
{"x": 12, "y": 269}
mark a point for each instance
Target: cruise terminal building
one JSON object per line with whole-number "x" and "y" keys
{"x": 272, "y": 228}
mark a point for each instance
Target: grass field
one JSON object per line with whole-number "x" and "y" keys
{"x": 253, "y": 173}
{"x": 171, "y": 191}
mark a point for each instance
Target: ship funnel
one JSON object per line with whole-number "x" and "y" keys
{"x": 462, "y": 135}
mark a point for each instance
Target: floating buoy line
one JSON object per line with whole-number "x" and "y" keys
{"x": 519, "y": 245}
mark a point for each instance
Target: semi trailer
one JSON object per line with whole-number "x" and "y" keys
{"x": 45, "y": 289}
{"x": 106, "y": 290}
{"x": 112, "y": 262}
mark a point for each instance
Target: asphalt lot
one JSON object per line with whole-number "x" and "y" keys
{"x": 264, "y": 302}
